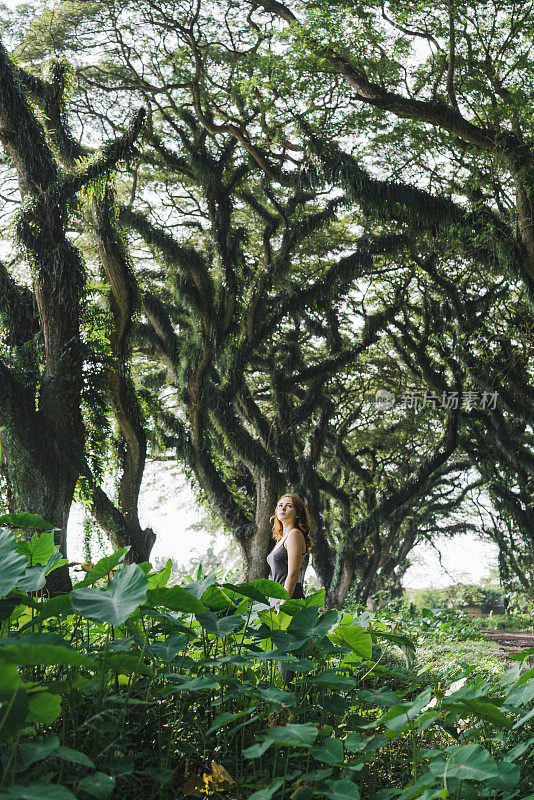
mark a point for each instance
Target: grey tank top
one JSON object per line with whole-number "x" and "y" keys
{"x": 277, "y": 561}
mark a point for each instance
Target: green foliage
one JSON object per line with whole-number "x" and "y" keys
{"x": 164, "y": 679}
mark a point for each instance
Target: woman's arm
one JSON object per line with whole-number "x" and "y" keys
{"x": 295, "y": 546}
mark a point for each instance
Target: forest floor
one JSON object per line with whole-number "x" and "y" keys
{"x": 509, "y": 642}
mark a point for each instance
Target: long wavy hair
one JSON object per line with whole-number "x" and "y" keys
{"x": 302, "y": 520}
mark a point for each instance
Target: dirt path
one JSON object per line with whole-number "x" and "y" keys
{"x": 510, "y": 641}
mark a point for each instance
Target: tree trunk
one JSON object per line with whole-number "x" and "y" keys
{"x": 257, "y": 546}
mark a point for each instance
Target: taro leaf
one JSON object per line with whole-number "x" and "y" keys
{"x": 25, "y": 521}
{"x": 298, "y": 735}
{"x": 382, "y": 697}
{"x": 267, "y": 793}
{"x": 126, "y": 664}
{"x": 102, "y": 568}
{"x": 38, "y": 549}
{"x": 249, "y": 590}
{"x": 257, "y": 750}
{"x": 358, "y": 639}
{"x": 406, "y": 644}
{"x": 125, "y": 591}
{"x": 98, "y": 785}
{"x": 332, "y": 678}
{"x": 354, "y": 742}
{"x": 16, "y": 651}
{"x": 316, "y": 598}
{"x": 43, "y": 708}
{"x": 523, "y": 654}
{"x": 175, "y": 598}
{"x": 329, "y": 752}
{"x": 507, "y": 778}
{"x": 36, "y": 750}
{"x": 488, "y": 711}
{"x": 466, "y": 762}
{"x": 35, "y": 577}
{"x": 300, "y": 665}
{"x": 399, "y": 715}
{"x": 12, "y": 563}
{"x": 13, "y": 702}
{"x": 195, "y": 685}
{"x": 37, "y": 791}
{"x": 73, "y": 757}
{"x": 216, "y": 598}
{"x": 168, "y": 651}
{"x": 306, "y": 623}
{"x": 219, "y": 626}
{"x": 198, "y": 587}
{"x": 278, "y": 696}
{"x": 223, "y": 719}
{"x": 520, "y": 695}
{"x": 271, "y": 588}
{"x": 161, "y": 578}
{"x": 342, "y": 790}
{"x": 160, "y": 774}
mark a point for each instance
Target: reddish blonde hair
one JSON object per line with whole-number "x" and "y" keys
{"x": 302, "y": 520}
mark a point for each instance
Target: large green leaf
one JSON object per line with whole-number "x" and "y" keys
{"x": 17, "y": 651}
{"x": 521, "y": 695}
{"x": 35, "y": 577}
{"x": 219, "y": 626}
{"x": 98, "y": 785}
{"x": 250, "y": 590}
{"x": 26, "y": 522}
{"x": 38, "y": 549}
{"x": 466, "y": 762}
{"x": 73, "y": 757}
{"x": 358, "y": 639}
{"x": 383, "y": 697}
{"x": 332, "y": 678}
{"x": 161, "y": 578}
{"x": 43, "y": 708}
{"x": 124, "y": 593}
{"x": 102, "y": 568}
{"x": 342, "y": 790}
{"x": 126, "y": 664}
{"x": 488, "y": 711}
{"x": 271, "y": 588}
{"x": 258, "y": 749}
{"x": 168, "y": 651}
{"x": 12, "y": 563}
{"x": 175, "y": 598}
{"x": 508, "y": 777}
{"x": 330, "y": 751}
{"x": 278, "y": 696}
{"x": 399, "y": 715}
{"x": 298, "y": 735}
{"x": 307, "y": 623}
{"x": 35, "y": 750}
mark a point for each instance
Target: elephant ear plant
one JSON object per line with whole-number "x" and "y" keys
{"x": 127, "y": 682}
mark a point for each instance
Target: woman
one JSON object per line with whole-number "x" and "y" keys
{"x": 289, "y": 558}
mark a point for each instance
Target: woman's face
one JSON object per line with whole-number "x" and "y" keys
{"x": 285, "y": 510}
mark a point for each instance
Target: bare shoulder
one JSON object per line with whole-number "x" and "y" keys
{"x": 295, "y": 534}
